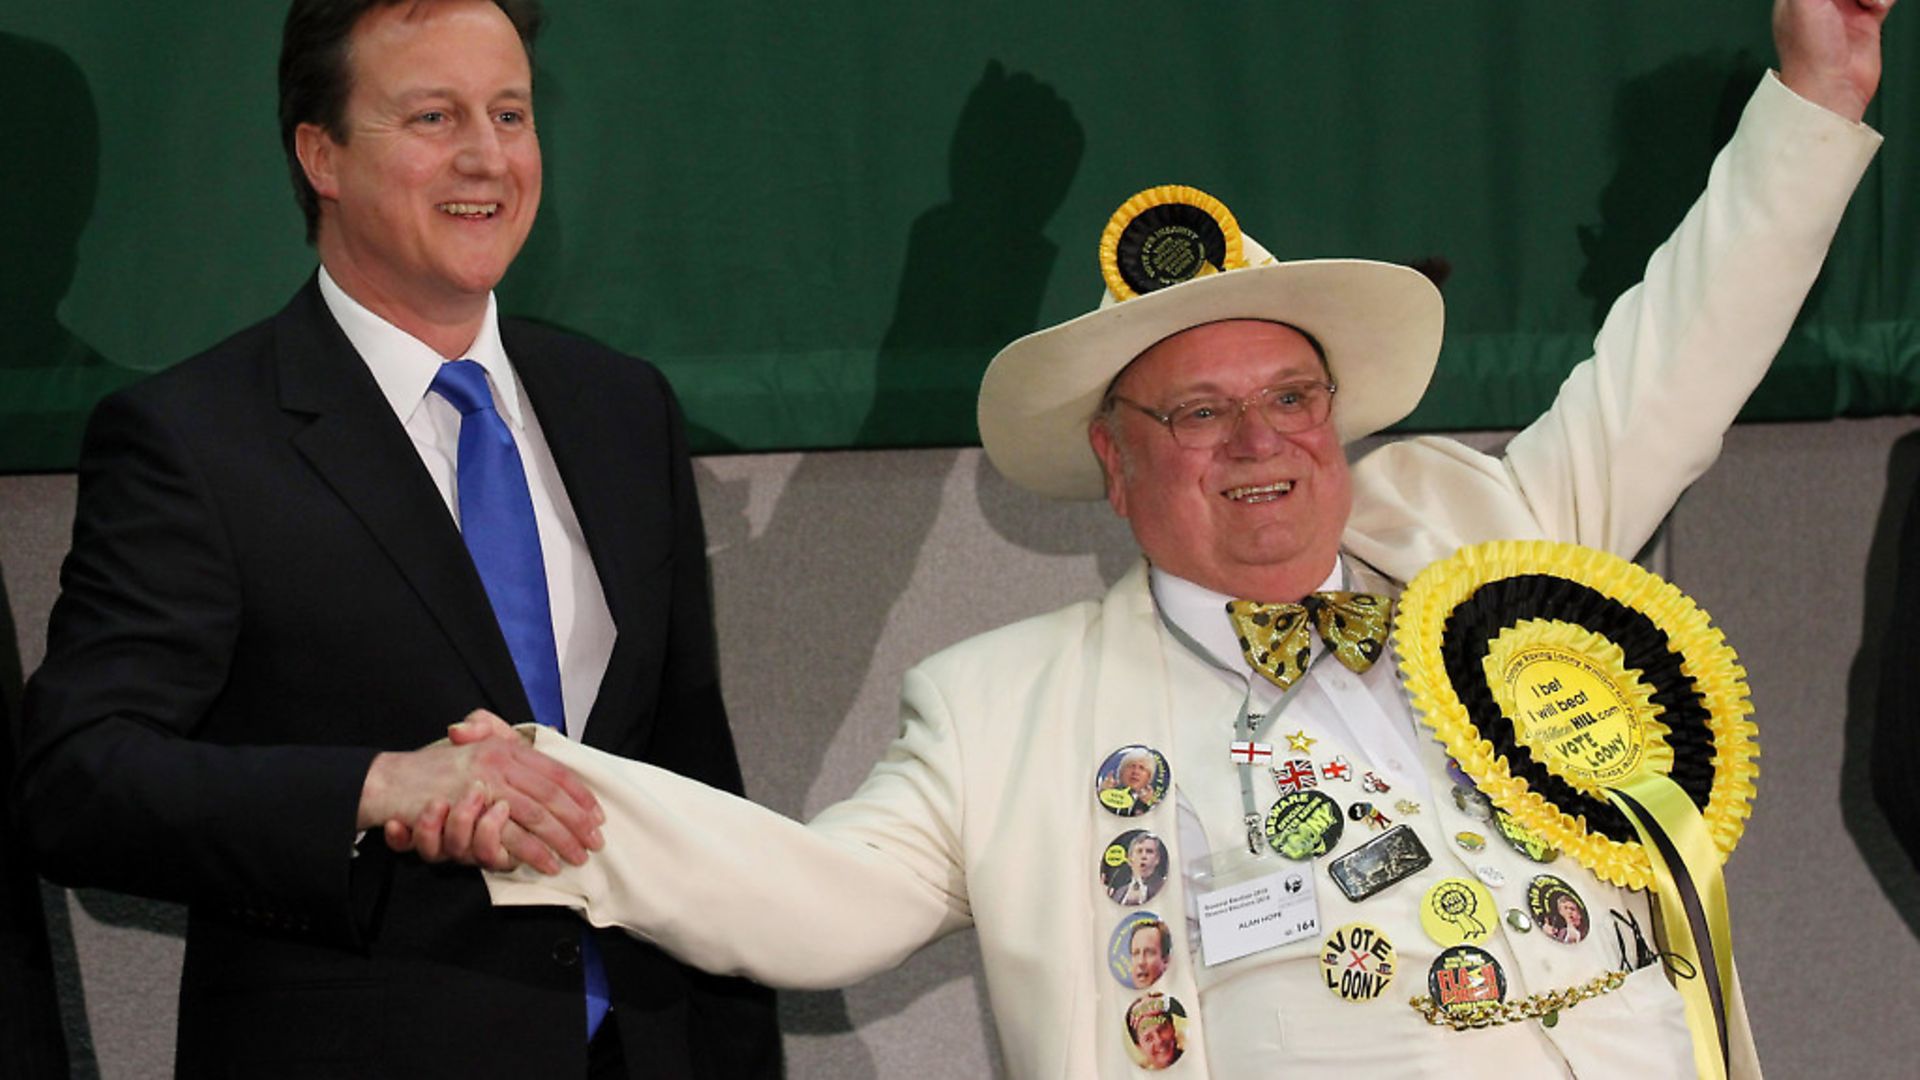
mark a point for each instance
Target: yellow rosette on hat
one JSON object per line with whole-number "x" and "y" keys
{"x": 1598, "y": 706}
{"x": 1166, "y": 235}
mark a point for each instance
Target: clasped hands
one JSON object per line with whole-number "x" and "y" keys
{"x": 484, "y": 797}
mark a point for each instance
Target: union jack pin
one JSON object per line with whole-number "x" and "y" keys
{"x": 1296, "y": 774}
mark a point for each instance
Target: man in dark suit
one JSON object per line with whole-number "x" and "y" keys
{"x": 287, "y": 570}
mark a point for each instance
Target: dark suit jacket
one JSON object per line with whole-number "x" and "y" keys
{"x": 32, "y": 1044}
{"x": 265, "y": 589}
{"x": 1895, "y": 735}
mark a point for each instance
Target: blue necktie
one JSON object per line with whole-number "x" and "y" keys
{"x": 496, "y": 521}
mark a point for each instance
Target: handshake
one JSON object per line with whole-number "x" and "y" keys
{"x": 484, "y": 797}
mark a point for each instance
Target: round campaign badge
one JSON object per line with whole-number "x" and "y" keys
{"x": 1134, "y": 867}
{"x": 1304, "y": 824}
{"x": 1132, "y": 780}
{"x": 1472, "y": 802}
{"x": 1492, "y": 875}
{"x": 1357, "y": 962}
{"x": 1140, "y": 950}
{"x": 1463, "y": 977}
{"x": 1523, "y": 840}
{"x": 1156, "y": 1031}
{"x": 1470, "y": 841}
{"x": 1586, "y": 724}
{"x": 1519, "y": 920}
{"x": 1559, "y": 911}
{"x": 1457, "y": 911}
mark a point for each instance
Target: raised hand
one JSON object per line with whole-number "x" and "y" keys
{"x": 1830, "y": 50}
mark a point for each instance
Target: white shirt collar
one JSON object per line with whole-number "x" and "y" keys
{"x": 1201, "y": 613}
{"x": 404, "y": 366}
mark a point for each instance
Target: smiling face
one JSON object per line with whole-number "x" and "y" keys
{"x": 431, "y": 189}
{"x": 1159, "y": 1042}
{"x": 1258, "y": 517}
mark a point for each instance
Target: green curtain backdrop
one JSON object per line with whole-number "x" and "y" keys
{"x": 822, "y": 220}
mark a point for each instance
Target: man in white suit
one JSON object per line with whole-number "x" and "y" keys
{"x": 984, "y": 811}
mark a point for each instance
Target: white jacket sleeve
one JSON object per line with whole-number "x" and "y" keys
{"x": 734, "y": 888}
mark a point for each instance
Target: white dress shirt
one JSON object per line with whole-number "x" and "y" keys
{"x": 404, "y": 367}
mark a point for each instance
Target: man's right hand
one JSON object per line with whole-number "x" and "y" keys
{"x": 492, "y": 801}
{"x": 1830, "y": 50}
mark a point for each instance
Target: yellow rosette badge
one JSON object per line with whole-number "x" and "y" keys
{"x": 1167, "y": 235}
{"x": 1574, "y": 704}
{"x": 1597, "y": 705}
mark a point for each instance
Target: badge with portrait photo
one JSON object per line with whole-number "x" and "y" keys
{"x": 1140, "y": 950}
{"x": 1132, "y": 780}
{"x": 1133, "y": 868}
{"x": 1557, "y": 910}
{"x": 1156, "y": 1031}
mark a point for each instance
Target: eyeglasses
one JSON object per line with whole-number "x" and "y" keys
{"x": 1205, "y": 423}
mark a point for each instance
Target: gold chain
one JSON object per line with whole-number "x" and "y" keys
{"x": 1480, "y": 1014}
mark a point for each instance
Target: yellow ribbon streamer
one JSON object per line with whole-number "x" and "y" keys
{"x": 1660, "y": 811}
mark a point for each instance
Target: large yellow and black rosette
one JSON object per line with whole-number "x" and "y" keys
{"x": 1598, "y": 706}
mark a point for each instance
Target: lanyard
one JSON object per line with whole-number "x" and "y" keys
{"x": 1247, "y": 724}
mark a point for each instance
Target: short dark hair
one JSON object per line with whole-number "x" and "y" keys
{"x": 315, "y": 79}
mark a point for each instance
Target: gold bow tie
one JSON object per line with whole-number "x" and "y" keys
{"x": 1275, "y": 641}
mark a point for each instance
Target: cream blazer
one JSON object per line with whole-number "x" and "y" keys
{"x": 980, "y": 813}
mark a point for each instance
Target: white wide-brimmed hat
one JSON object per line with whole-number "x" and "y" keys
{"x": 1379, "y": 323}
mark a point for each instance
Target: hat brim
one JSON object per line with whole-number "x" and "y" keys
{"x": 1380, "y": 324}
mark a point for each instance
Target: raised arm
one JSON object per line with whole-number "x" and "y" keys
{"x": 1677, "y": 355}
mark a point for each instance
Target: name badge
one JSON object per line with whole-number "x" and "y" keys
{"x": 1263, "y": 910}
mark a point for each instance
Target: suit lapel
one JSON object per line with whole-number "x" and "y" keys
{"x": 358, "y": 447}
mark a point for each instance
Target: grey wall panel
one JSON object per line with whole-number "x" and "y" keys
{"x": 834, "y": 572}
{"x": 1791, "y": 545}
